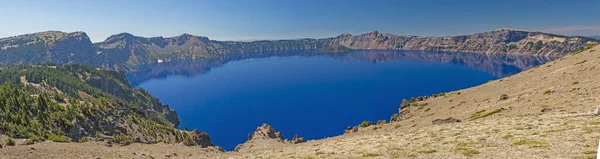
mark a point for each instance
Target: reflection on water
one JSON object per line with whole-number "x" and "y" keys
{"x": 497, "y": 65}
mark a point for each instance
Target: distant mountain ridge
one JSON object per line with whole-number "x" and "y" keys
{"x": 123, "y": 50}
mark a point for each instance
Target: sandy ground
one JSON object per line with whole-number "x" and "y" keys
{"x": 564, "y": 88}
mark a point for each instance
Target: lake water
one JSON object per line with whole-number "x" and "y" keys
{"x": 312, "y": 94}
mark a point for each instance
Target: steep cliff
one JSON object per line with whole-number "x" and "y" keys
{"x": 123, "y": 50}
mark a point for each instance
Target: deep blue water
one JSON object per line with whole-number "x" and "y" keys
{"x": 311, "y": 94}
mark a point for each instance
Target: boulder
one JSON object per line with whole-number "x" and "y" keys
{"x": 503, "y": 97}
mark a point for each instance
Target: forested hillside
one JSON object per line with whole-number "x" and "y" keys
{"x": 77, "y": 103}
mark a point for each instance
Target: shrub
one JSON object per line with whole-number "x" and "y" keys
{"x": 365, "y": 123}
{"x": 9, "y": 142}
{"x": 588, "y": 46}
{"x": 479, "y": 114}
{"x": 381, "y": 122}
{"x": 122, "y": 138}
{"x": 371, "y": 154}
{"x": 548, "y": 91}
{"x": 34, "y": 138}
{"x": 99, "y": 135}
{"x": 532, "y": 143}
{"x": 438, "y": 95}
{"x": 58, "y": 138}
{"x": 82, "y": 139}
{"x": 467, "y": 151}
{"x": 427, "y": 151}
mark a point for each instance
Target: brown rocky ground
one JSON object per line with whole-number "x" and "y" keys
{"x": 533, "y": 114}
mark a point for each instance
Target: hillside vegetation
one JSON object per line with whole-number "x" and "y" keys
{"x": 78, "y": 103}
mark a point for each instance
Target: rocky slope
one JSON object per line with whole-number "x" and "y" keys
{"x": 123, "y": 50}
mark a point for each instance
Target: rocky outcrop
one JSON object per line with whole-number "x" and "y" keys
{"x": 201, "y": 139}
{"x": 265, "y": 136}
{"x": 265, "y": 132}
{"x": 297, "y": 139}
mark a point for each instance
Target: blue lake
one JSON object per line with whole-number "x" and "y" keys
{"x": 312, "y": 94}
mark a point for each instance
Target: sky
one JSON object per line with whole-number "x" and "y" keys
{"x": 288, "y": 19}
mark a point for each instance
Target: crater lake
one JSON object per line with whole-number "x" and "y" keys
{"x": 310, "y": 93}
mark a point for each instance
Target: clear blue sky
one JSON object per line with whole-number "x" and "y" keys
{"x": 284, "y": 19}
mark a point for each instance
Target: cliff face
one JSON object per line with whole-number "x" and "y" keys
{"x": 52, "y": 46}
{"x": 123, "y": 50}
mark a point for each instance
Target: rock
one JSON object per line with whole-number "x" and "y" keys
{"x": 265, "y": 131}
{"x": 395, "y": 117}
{"x": 219, "y": 148}
{"x": 447, "y": 120}
{"x": 402, "y": 112}
{"x": 137, "y": 140}
{"x": 199, "y": 138}
{"x": 297, "y": 139}
{"x": 355, "y": 129}
{"x": 27, "y": 142}
{"x": 503, "y": 97}
{"x": 265, "y": 135}
{"x": 546, "y": 110}
{"x": 238, "y": 147}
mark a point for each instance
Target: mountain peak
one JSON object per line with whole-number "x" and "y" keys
{"x": 345, "y": 34}
{"x": 120, "y": 36}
